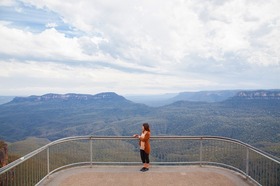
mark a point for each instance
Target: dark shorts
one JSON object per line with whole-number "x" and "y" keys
{"x": 144, "y": 156}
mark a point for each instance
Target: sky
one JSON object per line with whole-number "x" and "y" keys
{"x": 138, "y": 47}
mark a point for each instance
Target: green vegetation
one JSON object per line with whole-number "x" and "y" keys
{"x": 256, "y": 122}
{"x": 30, "y": 144}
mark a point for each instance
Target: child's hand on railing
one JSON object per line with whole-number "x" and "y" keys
{"x": 135, "y": 135}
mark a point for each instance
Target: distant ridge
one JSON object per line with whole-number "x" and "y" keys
{"x": 258, "y": 95}
{"x": 212, "y": 96}
{"x": 205, "y": 96}
{"x": 69, "y": 97}
{"x": 6, "y": 99}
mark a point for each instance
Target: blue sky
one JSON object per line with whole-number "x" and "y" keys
{"x": 138, "y": 47}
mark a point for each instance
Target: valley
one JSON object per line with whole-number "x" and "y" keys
{"x": 251, "y": 119}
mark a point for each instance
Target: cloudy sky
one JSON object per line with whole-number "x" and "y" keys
{"x": 138, "y": 47}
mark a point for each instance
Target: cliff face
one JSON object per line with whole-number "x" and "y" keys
{"x": 106, "y": 96}
{"x": 259, "y": 94}
{"x": 3, "y": 154}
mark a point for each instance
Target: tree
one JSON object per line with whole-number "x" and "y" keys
{"x": 3, "y": 154}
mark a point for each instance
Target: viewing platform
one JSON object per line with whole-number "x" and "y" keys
{"x": 175, "y": 160}
{"x": 157, "y": 175}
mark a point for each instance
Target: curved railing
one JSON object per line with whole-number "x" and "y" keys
{"x": 36, "y": 166}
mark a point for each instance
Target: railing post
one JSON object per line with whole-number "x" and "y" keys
{"x": 90, "y": 152}
{"x": 247, "y": 162}
{"x": 200, "y": 153}
{"x": 48, "y": 160}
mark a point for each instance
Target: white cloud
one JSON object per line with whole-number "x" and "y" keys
{"x": 171, "y": 45}
{"x": 49, "y": 44}
{"x": 51, "y": 25}
{"x": 7, "y": 2}
{"x": 168, "y": 31}
{"x": 49, "y": 76}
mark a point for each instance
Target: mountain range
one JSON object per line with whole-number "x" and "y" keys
{"x": 250, "y": 116}
{"x": 201, "y": 96}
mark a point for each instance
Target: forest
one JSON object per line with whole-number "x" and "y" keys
{"x": 253, "y": 121}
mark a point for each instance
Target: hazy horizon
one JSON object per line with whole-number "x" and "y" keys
{"x": 168, "y": 94}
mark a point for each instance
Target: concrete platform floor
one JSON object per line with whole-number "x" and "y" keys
{"x": 157, "y": 175}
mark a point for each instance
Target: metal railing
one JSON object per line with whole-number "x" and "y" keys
{"x": 36, "y": 166}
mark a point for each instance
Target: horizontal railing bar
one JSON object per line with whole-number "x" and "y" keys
{"x": 269, "y": 156}
{"x": 75, "y": 138}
